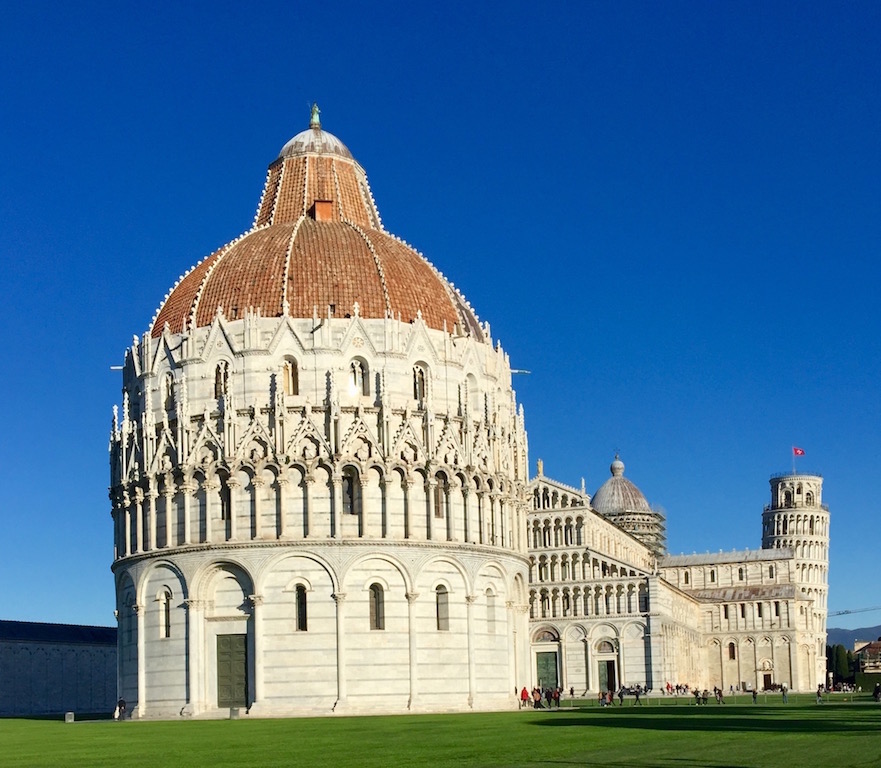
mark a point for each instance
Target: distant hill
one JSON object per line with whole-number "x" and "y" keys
{"x": 846, "y": 637}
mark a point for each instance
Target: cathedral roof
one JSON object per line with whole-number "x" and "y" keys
{"x": 317, "y": 245}
{"x": 618, "y": 495}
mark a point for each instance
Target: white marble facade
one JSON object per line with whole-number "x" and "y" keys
{"x": 321, "y": 500}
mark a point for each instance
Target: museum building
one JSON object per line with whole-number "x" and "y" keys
{"x": 321, "y": 499}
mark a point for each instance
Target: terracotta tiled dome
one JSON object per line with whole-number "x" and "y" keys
{"x": 317, "y": 244}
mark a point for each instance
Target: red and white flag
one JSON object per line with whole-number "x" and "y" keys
{"x": 798, "y": 451}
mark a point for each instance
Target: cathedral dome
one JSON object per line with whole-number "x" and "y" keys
{"x": 618, "y": 494}
{"x": 317, "y": 246}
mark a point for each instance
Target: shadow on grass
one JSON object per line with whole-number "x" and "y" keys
{"x": 791, "y": 720}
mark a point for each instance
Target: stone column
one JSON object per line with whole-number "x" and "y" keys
{"x": 234, "y": 487}
{"x": 257, "y": 622}
{"x": 413, "y": 634}
{"x": 151, "y": 516}
{"x": 209, "y": 488}
{"x": 336, "y": 513}
{"x": 308, "y": 482}
{"x": 408, "y": 509}
{"x": 195, "y": 658}
{"x": 472, "y": 649}
{"x": 794, "y": 676}
{"x": 587, "y": 664}
{"x": 187, "y": 489}
{"x": 520, "y": 640}
{"x": 366, "y": 526}
{"x": 620, "y": 655}
{"x": 257, "y": 483}
{"x": 450, "y": 493}
{"x": 141, "y": 613}
{"x": 502, "y": 537}
{"x": 124, "y": 514}
{"x": 128, "y": 512}
{"x": 340, "y": 599}
{"x": 139, "y": 519}
{"x": 430, "y": 485}
{"x": 170, "y": 522}
{"x": 386, "y": 525}
{"x": 466, "y": 515}
{"x": 282, "y": 483}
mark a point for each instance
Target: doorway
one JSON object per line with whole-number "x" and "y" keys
{"x": 232, "y": 671}
{"x": 606, "y": 671}
{"x": 546, "y": 667}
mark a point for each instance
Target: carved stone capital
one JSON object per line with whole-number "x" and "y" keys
{"x": 339, "y": 597}
{"x": 412, "y": 597}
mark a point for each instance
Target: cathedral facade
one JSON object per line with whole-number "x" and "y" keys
{"x": 321, "y": 500}
{"x": 609, "y": 607}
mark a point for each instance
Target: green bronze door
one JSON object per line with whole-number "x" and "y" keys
{"x": 546, "y": 667}
{"x": 232, "y": 671}
{"x": 606, "y": 671}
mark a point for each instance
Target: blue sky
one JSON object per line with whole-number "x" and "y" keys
{"x": 668, "y": 212}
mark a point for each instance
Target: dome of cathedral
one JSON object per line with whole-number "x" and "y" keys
{"x": 618, "y": 494}
{"x": 317, "y": 247}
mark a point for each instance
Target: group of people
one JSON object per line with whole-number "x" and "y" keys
{"x": 607, "y": 698}
{"x": 703, "y": 697}
{"x": 551, "y": 698}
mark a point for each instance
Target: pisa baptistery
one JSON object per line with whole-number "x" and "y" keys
{"x": 318, "y": 474}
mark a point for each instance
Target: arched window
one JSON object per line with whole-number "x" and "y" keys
{"x": 420, "y": 384}
{"x": 291, "y": 377}
{"x": 490, "y": 612}
{"x": 732, "y": 651}
{"x": 221, "y": 379}
{"x": 359, "y": 378}
{"x": 740, "y": 574}
{"x": 712, "y": 576}
{"x": 686, "y": 577}
{"x": 377, "y": 607}
{"x": 300, "y": 598}
{"x": 351, "y": 492}
{"x": 442, "y": 599}
{"x": 770, "y": 571}
{"x": 165, "y": 613}
{"x": 809, "y": 500}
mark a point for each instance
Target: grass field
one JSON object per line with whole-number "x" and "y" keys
{"x": 664, "y": 733}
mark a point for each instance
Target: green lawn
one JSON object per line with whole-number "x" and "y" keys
{"x": 664, "y": 733}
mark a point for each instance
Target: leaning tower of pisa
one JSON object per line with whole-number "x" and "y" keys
{"x": 798, "y": 520}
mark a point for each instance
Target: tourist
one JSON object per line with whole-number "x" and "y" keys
{"x": 524, "y": 698}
